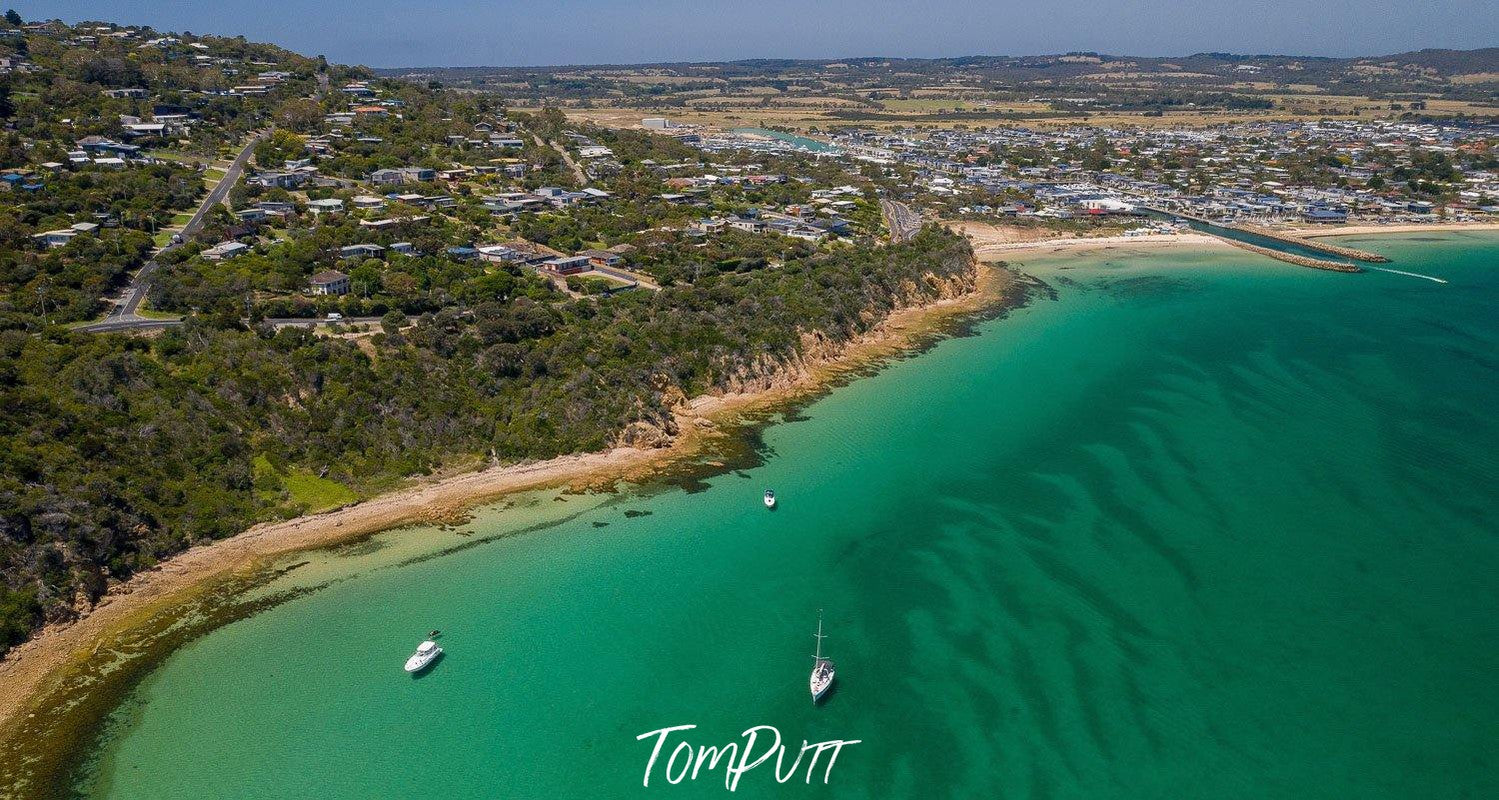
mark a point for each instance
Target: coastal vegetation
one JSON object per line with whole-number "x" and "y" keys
{"x": 708, "y": 270}
{"x": 118, "y": 452}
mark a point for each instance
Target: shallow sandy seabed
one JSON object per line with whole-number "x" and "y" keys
{"x": 33, "y": 668}
{"x": 30, "y": 669}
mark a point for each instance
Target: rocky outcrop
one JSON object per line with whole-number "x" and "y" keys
{"x": 643, "y": 435}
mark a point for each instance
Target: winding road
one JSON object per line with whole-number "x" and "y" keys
{"x": 566, "y": 157}
{"x": 124, "y": 316}
{"x": 900, "y": 219}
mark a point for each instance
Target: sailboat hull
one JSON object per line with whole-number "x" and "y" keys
{"x": 822, "y": 677}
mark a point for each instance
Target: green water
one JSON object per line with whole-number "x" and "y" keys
{"x": 1205, "y": 525}
{"x": 805, "y": 143}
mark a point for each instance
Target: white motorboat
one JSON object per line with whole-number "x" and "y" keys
{"x": 822, "y": 668}
{"x": 425, "y": 654}
{"x": 770, "y": 499}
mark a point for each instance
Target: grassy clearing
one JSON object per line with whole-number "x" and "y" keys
{"x": 927, "y": 107}
{"x": 150, "y": 313}
{"x": 316, "y": 494}
{"x": 177, "y": 156}
{"x": 925, "y": 104}
{"x": 301, "y": 490}
{"x": 163, "y": 236}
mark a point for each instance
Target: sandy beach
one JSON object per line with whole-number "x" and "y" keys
{"x": 1362, "y": 230}
{"x": 31, "y": 670}
{"x": 1007, "y": 241}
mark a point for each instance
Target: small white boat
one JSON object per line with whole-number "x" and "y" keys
{"x": 770, "y": 499}
{"x": 822, "y": 668}
{"x": 425, "y": 654}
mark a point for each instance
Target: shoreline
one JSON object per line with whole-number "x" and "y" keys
{"x": 992, "y": 241}
{"x": 34, "y": 671}
{"x": 51, "y": 671}
{"x": 989, "y": 240}
{"x": 1414, "y": 227}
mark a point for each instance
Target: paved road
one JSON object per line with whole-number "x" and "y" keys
{"x": 147, "y": 324}
{"x": 130, "y": 323}
{"x": 900, "y": 219}
{"x": 567, "y": 157}
{"x": 290, "y": 322}
{"x": 123, "y": 315}
{"x": 634, "y": 278}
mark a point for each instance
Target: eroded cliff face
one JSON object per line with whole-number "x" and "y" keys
{"x": 768, "y": 373}
{"x": 774, "y": 372}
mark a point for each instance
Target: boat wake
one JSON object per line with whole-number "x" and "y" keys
{"x": 1411, "y": 274}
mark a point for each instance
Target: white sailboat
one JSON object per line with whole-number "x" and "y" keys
{"x": 822, "y": 668}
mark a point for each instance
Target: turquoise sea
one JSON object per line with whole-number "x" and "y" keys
{"x": 803, "y": 142}
{"x": 1203, "y": 525}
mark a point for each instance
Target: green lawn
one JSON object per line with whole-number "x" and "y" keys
{"x": 316, "y": 494}
{"x": 151, "y": 313}
{"x": 305, "y": 491}
{"x": 177, "y": 156}
{"x": 164, "y": 236}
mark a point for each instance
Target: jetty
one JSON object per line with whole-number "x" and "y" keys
{"x": 1330, "y": 249}
{"x": 1231, "y": 234}
{"x": 1292, "y": 258}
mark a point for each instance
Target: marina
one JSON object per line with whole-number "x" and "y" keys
{"x": 1290, "y": 249}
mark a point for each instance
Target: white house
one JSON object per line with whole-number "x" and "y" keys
{"x": 330, "y": 282}
{"x": 224, "y": 250}
{"x": 329, "y": 205}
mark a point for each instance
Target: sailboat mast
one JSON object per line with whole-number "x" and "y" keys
{"x": 819, "y": 637}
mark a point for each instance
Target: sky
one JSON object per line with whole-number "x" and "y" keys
{"x": 388, "y": 33}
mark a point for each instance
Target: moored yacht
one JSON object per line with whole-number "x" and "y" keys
{"x": 425, "y": 654}
{"x": 822, "y": 668}
{"x": 770, "y": 499}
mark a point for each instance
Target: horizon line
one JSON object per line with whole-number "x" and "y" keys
{"x": 827, "y": 59}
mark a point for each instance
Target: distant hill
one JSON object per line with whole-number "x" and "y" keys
{"x": 1202, "y": 80}
{"x": 1446, "y": 62}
